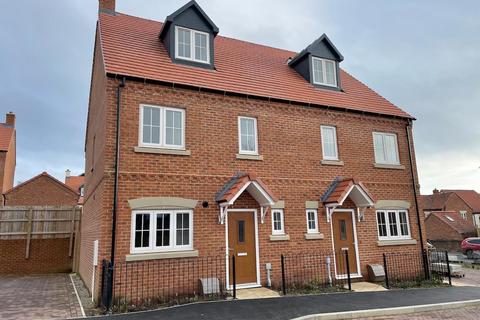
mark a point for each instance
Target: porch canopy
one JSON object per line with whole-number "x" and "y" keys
{"x": 234, "y": 188}
{"x": 342, "y": 188}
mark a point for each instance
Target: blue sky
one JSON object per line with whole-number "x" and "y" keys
{"x": 424, "y": 56}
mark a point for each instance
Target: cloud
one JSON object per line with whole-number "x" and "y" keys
{"x": 421, "y": 55}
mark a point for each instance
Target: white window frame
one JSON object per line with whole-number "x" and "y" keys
{"x": 324, "y": 72}
{"x": 163, "y": 128}
{"x": 282, "y": 223}
{"x": 334, "y": 140}
{"x": 383, "y": 134}
{"x": 387, "y": 224}
{"x": 315, "y": 230}
{"x": 463, "y": 214}
{"x": 255, "y": 130}
{"x": 192, "y": 45}
{"x": 152, "y": 248}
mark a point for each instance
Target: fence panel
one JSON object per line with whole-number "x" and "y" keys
{"x": 314, "y": 272}
{"x": 151, "y": 283}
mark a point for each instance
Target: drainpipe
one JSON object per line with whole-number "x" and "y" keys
{"x": 414, "y": 181}
{"x": 115, "y": 184}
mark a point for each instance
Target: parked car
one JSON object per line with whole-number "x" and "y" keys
{"x": 469, "y": 245}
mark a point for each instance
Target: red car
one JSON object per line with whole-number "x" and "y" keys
{"x": 469, "y": 245}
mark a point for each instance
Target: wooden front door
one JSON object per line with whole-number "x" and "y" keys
{"x": 344, "y": 240}
{"x": 241, "y": 243}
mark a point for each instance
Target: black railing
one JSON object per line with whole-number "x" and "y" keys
{"x": 412, "y": 269}
{"x": 315, "y": 272}
{"x": 147, "y": 284}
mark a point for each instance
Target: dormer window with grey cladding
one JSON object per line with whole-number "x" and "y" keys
{"x": 188, "y": 35}
{"x": 319, "y": 64}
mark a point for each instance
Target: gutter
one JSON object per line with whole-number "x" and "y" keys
{"x": 414, "y": 182}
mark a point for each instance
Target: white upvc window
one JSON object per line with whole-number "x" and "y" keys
{"x": 247, "y": 135}
{"x": 329, "y": 143}
{"x": 192, "y": 45}
{"x": 324, "y": 72}
{"x": 162, "y": 127}
{"x": 312, "y": 221}
{"x": 161, "y": 230}
{"x": 278, "y": 226}
{"x": 385, "y": 148}
{"x": 393, "y": 224}
{"x": 463, "y": 214}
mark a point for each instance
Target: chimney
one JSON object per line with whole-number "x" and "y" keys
{"x": 10, "y": 119}
{"x": 67, "y": 174}
{"x": 107, "y": 6}
{"x": 435, "y": 191}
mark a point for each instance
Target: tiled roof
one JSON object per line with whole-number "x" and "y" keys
{"x": 236, "y": 183}
{"x": 339, "y": 188}
{"x": 438, "y": 200}
{"x": 75, "y": 182}
{"x": 471, "y": 198}
{"x": 459, "y": 224}
{"x": 131, "y": 47}
{"x": 6, "y": 134}
{"x": 43, "y": 174}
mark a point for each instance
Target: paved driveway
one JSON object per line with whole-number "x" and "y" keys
{"x": 38, "y": 297}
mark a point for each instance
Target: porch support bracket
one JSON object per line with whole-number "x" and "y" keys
{"x": 222, "y": 214}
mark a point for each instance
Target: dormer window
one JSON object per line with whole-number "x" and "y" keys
{"x": 324, "y": 72}
{"x": 192, "y": 45}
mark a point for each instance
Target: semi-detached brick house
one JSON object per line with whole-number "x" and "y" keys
{"x": 284, "y": 150}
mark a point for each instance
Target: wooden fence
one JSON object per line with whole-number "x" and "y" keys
{"x": 40, "y": 222}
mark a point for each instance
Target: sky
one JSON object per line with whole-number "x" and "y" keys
{"x": 424, "y": 56}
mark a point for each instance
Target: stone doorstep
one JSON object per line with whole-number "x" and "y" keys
{"x": 390, "y": 311}
{"x": 363, "y": 286}
{"x": 256, "y": 293}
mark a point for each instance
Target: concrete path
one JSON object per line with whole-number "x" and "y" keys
{"x": 297, "y": 306}
{"x": 38, "y": 297}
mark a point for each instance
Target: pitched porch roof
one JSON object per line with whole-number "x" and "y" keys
{"x": 240, "y": 182}
{"x": 341, "y": 188}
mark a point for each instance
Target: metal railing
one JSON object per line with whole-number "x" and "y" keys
{"x": 315, "y": 272}
{"x": 146, "y": 284}
{"x": 411, "y": 269}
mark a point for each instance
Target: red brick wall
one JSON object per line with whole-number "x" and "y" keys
{"x": 95, "y": 218}
{"x": 289, "y": 140}
{"x": 7, "y": 166}
{"x": 42, "y": 191}
{"x": 439, "y": 230}
{"x": 46, "y": 256}
{"x": 455, "y": 203}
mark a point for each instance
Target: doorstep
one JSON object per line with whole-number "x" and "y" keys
{"x": 256, "y": 293}
{"x": 367, "y": 287}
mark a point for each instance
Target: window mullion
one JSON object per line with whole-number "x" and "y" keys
{"x": 192, "y": 47}
{"x": 173, "y": 228}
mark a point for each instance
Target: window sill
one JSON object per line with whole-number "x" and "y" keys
{"x": 314, "y": 236}
{"x": 389, "y": 166}
{"x": 249, "y": 157}
{"x": 332, "y": 162}
{"x": 383, "y": 243}
{"x": 161, "y": 255}
{"x": 177, "y": 152}
{"x": 279, "y": 237}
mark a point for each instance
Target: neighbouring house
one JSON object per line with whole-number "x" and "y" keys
{"x": 201, "y": 145}
{"x": 446, "y": 229}
{"x": 41, "y": 190}
{"x": 76, "y": 183}
{"x": 7, "y": 153}
{"x": 466, "y": 203}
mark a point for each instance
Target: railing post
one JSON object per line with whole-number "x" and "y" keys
{"x": 234, "y": 275}
{"x": 284, "y": 289}
{"x": 425, "y": 264}
{"x": 348, "y": 271}
{"x": 448, "y": 269}
{"x": 387, "y": 284}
